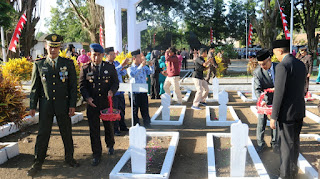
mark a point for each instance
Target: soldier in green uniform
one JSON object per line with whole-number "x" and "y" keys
{"x": 54, "y": 85}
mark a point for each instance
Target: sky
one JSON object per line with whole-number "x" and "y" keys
{"x": 45, "y": 14}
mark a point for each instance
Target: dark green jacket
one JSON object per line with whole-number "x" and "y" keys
{"x": 55, "y": 89}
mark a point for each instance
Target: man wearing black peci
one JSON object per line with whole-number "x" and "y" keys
{"x": 98, "y": 80}
{"x": 288, "y": 108}
{"x": 264, "y": 79}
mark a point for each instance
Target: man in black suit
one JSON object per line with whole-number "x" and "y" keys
{"x": 264, "y": 79}
{"x": 288, "y": 108}
{"x": 97, "y": 81}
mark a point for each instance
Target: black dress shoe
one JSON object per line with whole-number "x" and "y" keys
{"x": 124, "y": 129}
{"x": 95, "y": 161}
{"x": 117, "y": 133}
{"x": 260, "y": 148}
{"x": 111, "y": 151}
{"x": 73, "y": 163}
{"x": 33, "y": 171}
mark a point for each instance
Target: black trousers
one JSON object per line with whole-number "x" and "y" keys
{"x": 155, "y": 86}
{"x": 45, "y": 126}
{"x": 140, "y": 100}
{"x": 119, "y": 103}
{"x": 289, "y": 148}
{"x": 184, "y": 63}
{"x": 212, "y": 70}
{"x": 94, "y": 126}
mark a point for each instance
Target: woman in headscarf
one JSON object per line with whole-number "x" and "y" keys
{"x": 162, "y": 75}
{"x": 155, "y": 86}
{"x": 83, "y": 58}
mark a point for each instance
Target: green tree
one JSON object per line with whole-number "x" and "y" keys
{"x": 5, "y": 17}
{"x": 308, "y": 13}
{"x": 65, "y": 23}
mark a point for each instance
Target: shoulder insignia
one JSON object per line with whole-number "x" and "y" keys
{"x": 39, "y": 59}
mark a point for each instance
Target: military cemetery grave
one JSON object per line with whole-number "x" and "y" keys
{"x": 232, "y": 155}
{"x": 138, "y": 156}
{"x": 170, "y": 114}
{"x": 221, "y": 119}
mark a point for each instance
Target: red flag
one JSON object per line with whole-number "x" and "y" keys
{"x": 285, "y": 24}
{"x": 17, "y": 32}
{"x": 101, "y": 36}
{"x": 154, "y": 39}
{"x": 250, "y": 35}
{"x": 211, "y": 35}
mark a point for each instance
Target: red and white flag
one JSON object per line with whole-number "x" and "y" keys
{"x": 17, "y": 32}
{"x": 211, "y": 35}
{"x": 154, "y": 39}
{"x": 285, "y": 24}
{"x": 101, "y": 36}
{"x": 250, "y": 36}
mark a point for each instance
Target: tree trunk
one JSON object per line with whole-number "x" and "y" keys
{"x": 266, "y": 28}
{"x": 93, "y": 21}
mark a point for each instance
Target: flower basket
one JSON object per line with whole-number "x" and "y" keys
{"x": 110, "y": 114}
{"x": 264, "y": 109}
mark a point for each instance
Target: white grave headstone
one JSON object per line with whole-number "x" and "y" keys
{"x": 252, "y": 89}
{"x": 165, "y": 102}
{"x": 223, "y": 100}
{"x": 215, "y": 87}
{"x": 138, "y": 141}
{"x": 239, "y": 142}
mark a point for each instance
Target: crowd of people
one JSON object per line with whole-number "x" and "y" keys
{"x": 54, "y": 87}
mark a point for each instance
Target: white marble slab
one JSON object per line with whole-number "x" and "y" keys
{"x": 221, "y": 123}
{"x": 8, "y": 152}
{"x": 166, "y": 167}
{"x": 174, "y": 123}
{"x": 212, "y": 171}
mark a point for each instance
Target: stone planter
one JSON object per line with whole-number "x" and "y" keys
{"x": 255, "y": 112}
{"x": 163, "y": 122}
{"x": 212, "y": 170}
{"x": 74, "y": 119}
{"x": 210, "y": 122}
{"x": 9, "y": 151}
{"x": 10, "y": 128}
{"x": 167, "y": 163}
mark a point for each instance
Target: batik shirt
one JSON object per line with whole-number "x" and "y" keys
{"x": 120, "y": 71}
{"x": 138, "y": 74}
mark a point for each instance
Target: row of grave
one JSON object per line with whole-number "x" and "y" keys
{"x": 12, "y": 150}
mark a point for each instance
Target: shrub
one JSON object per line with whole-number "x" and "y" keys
{"x": 12, "y": 108}
{"x": 19, "y": 69}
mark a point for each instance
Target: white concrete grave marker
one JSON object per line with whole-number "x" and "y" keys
{"x": 138, "y": 141}
{"x": 113, "y": 31}
{"x": 239, "y": 142}
{"x": 254, "y": 97}
{"x": 215, "y": 87}
{"x": 223, "y": 100}
{"x": 165, "y": 102}
{"x": 133, "y": 87}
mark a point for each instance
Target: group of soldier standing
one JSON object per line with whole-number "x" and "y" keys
{"x": 54, "y": 86}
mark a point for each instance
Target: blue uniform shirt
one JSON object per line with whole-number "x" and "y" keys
{"x": 138, "y": 74}
{"x": 121, "y": 72}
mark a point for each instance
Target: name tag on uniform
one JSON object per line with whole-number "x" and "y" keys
{"x": 45, "y": 69}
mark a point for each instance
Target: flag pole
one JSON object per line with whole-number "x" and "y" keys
{"x": 4, "y": 55}
{"x": 291, "y": 27}
{"x": 247, "y": 36}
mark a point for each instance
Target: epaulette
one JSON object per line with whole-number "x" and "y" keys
{"x": 39, "y": 59}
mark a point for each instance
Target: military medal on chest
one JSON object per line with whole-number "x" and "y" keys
{"x": 63, "y": 74}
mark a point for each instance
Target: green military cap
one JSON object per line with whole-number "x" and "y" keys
{"x": 54, "y": 40}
